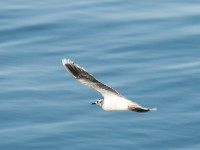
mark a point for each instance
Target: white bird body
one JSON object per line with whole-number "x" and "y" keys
{"x": 112, "y": 104}
{"x": 112, "y": 100}
{"x": 116, "y": 104}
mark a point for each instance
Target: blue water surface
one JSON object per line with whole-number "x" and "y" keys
{"x": 148, "y": 50}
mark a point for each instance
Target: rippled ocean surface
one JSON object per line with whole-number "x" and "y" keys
{"x": 149, "y": 51}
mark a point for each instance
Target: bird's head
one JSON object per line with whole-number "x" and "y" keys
{"x": 99, "y": 102}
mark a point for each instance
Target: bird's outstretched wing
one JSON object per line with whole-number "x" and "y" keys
{"x": 84, "y": 77}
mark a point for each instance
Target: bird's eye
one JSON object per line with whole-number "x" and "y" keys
{"x": 100, "y": 101}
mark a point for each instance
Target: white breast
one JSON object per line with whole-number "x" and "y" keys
{"x": 116, "y": 104}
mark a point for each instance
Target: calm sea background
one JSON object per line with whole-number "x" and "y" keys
{"x": 147, "y": 50}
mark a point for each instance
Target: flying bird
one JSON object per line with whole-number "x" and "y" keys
{"x": 112, "y": 100}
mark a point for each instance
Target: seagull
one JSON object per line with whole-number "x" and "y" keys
{"x": 112, "y": 100}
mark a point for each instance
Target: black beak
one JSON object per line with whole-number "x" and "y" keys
{"x": 93, "y": 103}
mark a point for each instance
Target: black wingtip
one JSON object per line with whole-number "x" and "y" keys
{"x": 138, "y": 109}
{"x": 72, "y": 69}
{"x": 141, "y": 110}
{"x": 70, "y": 66}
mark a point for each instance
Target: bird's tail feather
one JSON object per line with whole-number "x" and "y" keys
{"x": 141, "y": 109}
{"x": 153, "y": 109}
